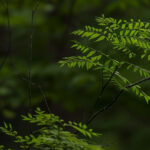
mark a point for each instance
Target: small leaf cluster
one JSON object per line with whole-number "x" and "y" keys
{"x": 53, "y": 134}
{"x": 129, "y": 39}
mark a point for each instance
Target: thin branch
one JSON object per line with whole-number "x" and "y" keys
{"x": 9, "y": 36}
{"x": 137, "y": 83}
{"x": 36, "y": 6}
{"x": 30, "y": 63}
{"x": 102, "y": 80}
{"x": 41, "y": 91}
{"x": 34, "y": 10}
{"x": 115, "y": 100}
{"x": 44, "y": 98}
{"x": 105, "y": 108}
{"x": 103, "y": 89}
{"x": 23, "y": 78}
{"x": 106, "y": 84}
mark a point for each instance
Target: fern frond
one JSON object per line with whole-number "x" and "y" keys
{"x": 82, "y": 62}
{"x": 121, "y": 35}
{"x": 137, "y": 69}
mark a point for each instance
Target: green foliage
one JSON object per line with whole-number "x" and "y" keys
{"x": 53, "y": 134}
{"x": 126, "y": 38}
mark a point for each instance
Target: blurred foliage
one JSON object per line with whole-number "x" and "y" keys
{"x": 70, "y": 93}
{"x": 51, "y": 134}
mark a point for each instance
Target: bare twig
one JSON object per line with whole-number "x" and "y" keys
{"x": 102, "y": 74}
{"x": 93, "y": 116}
{"x": 9, "y": 35}
{"x": 106, "y": 84}
{"x": 24, "y": 78}
{"x": 44, "y": 98}
{"x": 34, "y": 10}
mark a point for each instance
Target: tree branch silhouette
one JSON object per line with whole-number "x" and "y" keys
{"x": 106, "y": 84}
{"x": 93, "y": 116}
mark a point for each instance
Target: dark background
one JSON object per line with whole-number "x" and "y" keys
{"x": 70, "y": 93}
